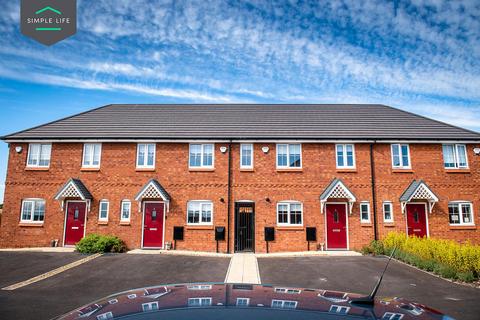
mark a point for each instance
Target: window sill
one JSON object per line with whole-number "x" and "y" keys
{"x": 145, "y": 169}
{"x": 37, "y": 168}
{"x": 366, "y": 224}
{"x": 125, "y": 223}
{"x": 290, "y": 228}
{"x": 247, "y": 169}
{"x": 289, "y": 169}
{"x": 201, "y": 169}
{"x": 346, "y": 170}
{"x": 30, "y": 224}
{"x": 389, "y": 224}
{"x": 399, "y": 170}
{"x": 103, "y": 223}
{"x": 457, "y": 170}
{"x": 89, "y": 169}
{"x": 199, "y": 227}
{"x": 473, "y": 227}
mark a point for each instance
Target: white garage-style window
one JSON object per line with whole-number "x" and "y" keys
{"x": 246, "y": 156}
{"x": 364, "y": 212}
{"x": 33, "y": 211}
{"x": 460, "y": 213}
{"x": 345, "y": 156}
{"x": 91, "y": 155}
{"x": 126, "y": 208}
{"x": 146, "y": 155}
{"x": 289, "y": 213}
{"x": 455, "y": 156}
{"x": 400, "y": 156}
{"x": 387, "y": 211}
{"x": 103, "y": 210}
{"x": 200, "y": 212}
{"x": 39, "y": 155}
{"x": 284, "y": 304}
{"x": 289, "y": 156}
{"x": 200, "y": 302}
{"x": 201, "y": 156}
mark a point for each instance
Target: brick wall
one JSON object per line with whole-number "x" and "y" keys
{"x": 118, "y": 179}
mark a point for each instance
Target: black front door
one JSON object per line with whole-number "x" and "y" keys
{"x": 244, "y": 226}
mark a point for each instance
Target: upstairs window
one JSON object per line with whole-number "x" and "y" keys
{"x": 39, "y": 155}
{"x": 91, "y": 155}
{"x": 126, "y": 208}
{"x": 455, "y": 156}
{"x": 103, "y": 210}
{"x": 33, "y": 210}
{"x": 365, "y": 212}
{"x": 400, "y": 156}
{"x": 387, "y": 212}
{"x": 289, "y": 155}
{"x": 289, "y": 214}
{"x": 200, "y": 212}
{"x": 345, "y": 156}
{"x": 246, "y": 156}
{"x": 146, "y": 155}
{"x": 460, "y": 213}
{"x": 201, "y": 156}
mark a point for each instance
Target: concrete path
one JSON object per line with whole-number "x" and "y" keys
{"x": 243, "y": 269}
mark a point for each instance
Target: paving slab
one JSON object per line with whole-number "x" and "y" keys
{"x": 243, "y": 268}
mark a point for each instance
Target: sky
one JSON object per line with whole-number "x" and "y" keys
{"x": 422, "y": 56}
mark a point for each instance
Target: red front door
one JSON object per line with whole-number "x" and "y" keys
{"x": 153, "y": 225}
{"x": 75, "y": 224}
{"x": 336, "y": 226}
{"x": 416, "y": 220}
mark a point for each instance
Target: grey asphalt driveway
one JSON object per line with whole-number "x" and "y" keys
{"x": 359, "y": 275}
{"x": 103, "y": 276}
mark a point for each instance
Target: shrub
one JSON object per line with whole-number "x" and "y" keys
{"x": 94, "y": 243}
{"x": 466, "y": 276}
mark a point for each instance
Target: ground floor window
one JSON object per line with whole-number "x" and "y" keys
{"x": 387, "y": 212}
{"x": 284, "y": 304}
{"x": 126, "y": 209}
{"x": 243, "y": 302}
{"x": 199, "y": 302}
{"x": 392, "y": 316}
{"x": 105, "y": 316}
{"x": 339, "y": 309}
{"x": 460, "y": 213}
{"x": 33, "y": 210}
{"x": 200, "y": 212}
{"x": 149, "y": 306}
{"x": 289, "y": 214}
{"x": 365, "y": 212}
{"x": 103, "y": 210}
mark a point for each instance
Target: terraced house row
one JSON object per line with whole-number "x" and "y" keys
{"x": 233, "y": 178}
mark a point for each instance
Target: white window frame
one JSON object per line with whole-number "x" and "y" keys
{"x": 39, "y": 156}
{"x": 200, "y": 203}
{"x": 113, "y": 301}
{"x": 105, "y": 316}
{"x": 132, "y": 296}
{"x": 126, "y": 201}
{"x": 283, "y": 302}
{"x": 390, "y": 204}
{"x": 392, "y": 316}
{"x": 145, "y": 159}
{"x": 339, "y": 309}
{"x": 100, "y": 210}
{"x": 289, "y": 203}
{"x": 92, "y": 155}
{"x": 363, "y": 203}
{"x": 288, "y": 156}
{"x": 455, "y": 155}
{"x": 201, "y": 300}
{"x": 459, "y": 204}
{"x": 344, "y": 153}
{"x": 242, "y": 166}
{"x": 288, "y": 290}
{"x": 200, "y": 287}
{"x": 33, "y": 201}
{"x": 400, "y": 155}
{"x": 150, "y": 306}
{"x": 202, "y": 152}
{"x": 242, "y": 299}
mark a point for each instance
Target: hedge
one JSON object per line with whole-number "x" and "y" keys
{"x": 94, "y": 243}
{"x": 447, "y": 258}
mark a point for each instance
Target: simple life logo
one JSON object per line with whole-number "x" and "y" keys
{"x": 48, "y": 21}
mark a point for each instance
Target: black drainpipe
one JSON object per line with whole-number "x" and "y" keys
{"x": 374, "y": 193}
{"x": 229, "y": 193}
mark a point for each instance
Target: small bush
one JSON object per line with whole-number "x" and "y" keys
{"x": 94, "y": 243}
{"x": 366, "y": 250}
{"x": 445, "y": 271}
{"x": 466, "y": 276}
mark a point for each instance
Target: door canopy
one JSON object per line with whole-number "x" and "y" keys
{"x": 74, "y": 188}
{"x": 337, "y": 190}
{"x": 418, "y": 190}
{"x": 153, "y": 190}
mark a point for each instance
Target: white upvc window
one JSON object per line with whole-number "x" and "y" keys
{"x": 345, "y": 156}
{"x": 200, "y": 302}
{"x": 126, "y": 209}
{"x": 243, "y": 302}
{"x": 455, "y": 156}
{"x": 105, "y": 316}
{"x": 146, "y": 155}
{"x": 200, "y": 212}
{"x": 289, "y": 156}
{"x": 387, "y": 211}
{"x": 150, "y": 306}
{"x": 92, "y": 152}
{"x": 33, "y": 211}
{"x": 103, "y": 207}
{"x": 288, "y": 290}
{"x": 460, "y": 213}
{"x": 39, "y": 155}
{"x": 392, "y": 316}
{"x": 339, "y": 309}
{"x": 284, "y": 304}
{"x": 201, "y": 155}
{"x": 289, "y": 213}
{"x": 365, "y": 212}
{"x": 200, "y": 287}
{"x": 401, "y": 156}
{"x": 246, "y": 156}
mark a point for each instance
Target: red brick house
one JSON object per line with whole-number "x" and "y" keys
{"x": 339, "y": 175}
